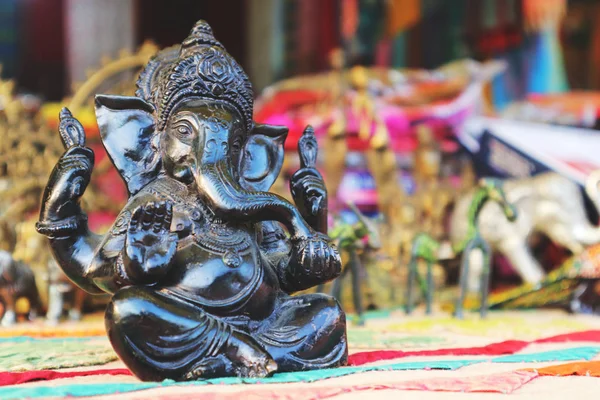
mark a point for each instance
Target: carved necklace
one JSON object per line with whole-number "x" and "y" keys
{"x": 209, "y": 232}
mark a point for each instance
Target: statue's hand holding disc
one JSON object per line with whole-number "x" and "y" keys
{"x": 308, "y": 148}
{"x": 70, "y": 130}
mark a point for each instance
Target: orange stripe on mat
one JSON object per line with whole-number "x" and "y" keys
{"x": 582, "y": 368}
{"x": 53, "y": 333}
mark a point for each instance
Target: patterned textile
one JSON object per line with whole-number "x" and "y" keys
{"x": 556, "y": 288}
{"x": 500, "y": 383}
{"x": 504, "y": 354}
{"x": 16, "y": 378}
{"x": 53, "y": 354}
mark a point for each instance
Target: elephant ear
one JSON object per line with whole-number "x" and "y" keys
{"x": 262, "y": 157}
{"x": 127, "y": 128}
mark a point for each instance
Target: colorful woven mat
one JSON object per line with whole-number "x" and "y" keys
{"x": 15, "y": 392}
{"x": 79, "y": 390}
{"x": 53, "y": 354}
{"x": 506, "y": 382}
{"x": 92, "y": 326}
{"x": 507, "y": 325}
{"x": 453, "y": 356}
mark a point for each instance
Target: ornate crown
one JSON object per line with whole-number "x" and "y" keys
{"x": 200, "y": 67}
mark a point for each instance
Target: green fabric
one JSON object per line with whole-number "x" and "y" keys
{"x": 36, "y": 392}
{"x": 20, "y": 339}
{"x": 82, "y": 390}
{"x": 489, "y": 18}
{"x": 79, "y": 390}
{"x": 574, "y": 354}
{"x": 457, "y": 47}
{"x": 30, "y": 355}
{"x": 371, "y": 314}
{"x": 399, "y": 50}
{"x": 374, "y": 339}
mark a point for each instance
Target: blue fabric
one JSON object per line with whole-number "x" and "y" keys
{"x": 21, "y": 339}
{"x": 574, "y": 354}
{"x": 82, "y": 390}
{"x": 546, "y": 67}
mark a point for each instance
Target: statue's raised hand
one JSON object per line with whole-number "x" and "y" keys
{"x": 149, "y": 244}
{"x": 68, "y": 180}
{"x": 307, "y": 185}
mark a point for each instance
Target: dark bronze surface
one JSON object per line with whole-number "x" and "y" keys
{"x": 202, "y": 260}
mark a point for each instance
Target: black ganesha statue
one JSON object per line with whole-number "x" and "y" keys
{"x": 202, "y": 260}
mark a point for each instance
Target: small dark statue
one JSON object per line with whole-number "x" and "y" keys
{"x": 16, "y": 281}
{"x": 200, "y": 270}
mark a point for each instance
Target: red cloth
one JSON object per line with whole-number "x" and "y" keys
{"x": 494, "y": 349}
{"x": 583, "y": 336}
{"x": 15, "y": 378}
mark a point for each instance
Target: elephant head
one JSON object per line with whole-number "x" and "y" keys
{"x": 191, "y": 120}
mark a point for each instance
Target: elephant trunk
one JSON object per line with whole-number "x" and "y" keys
{"x": 592, "y": 189}
{"x": 586, "y": 234}
{"x": 231, "y": 202}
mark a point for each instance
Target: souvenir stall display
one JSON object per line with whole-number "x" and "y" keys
{"x": 369, "y": 122}
{"x": 470, "y": 240}
{"x": 357, "y": 242}
{"x": 28, "y": 150}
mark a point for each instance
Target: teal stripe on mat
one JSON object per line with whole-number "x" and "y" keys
{"x": 82, "y": 390}
{"x": 21, "y": 339}
{"x": 573, "y": 354}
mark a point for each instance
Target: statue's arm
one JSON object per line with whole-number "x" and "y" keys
{"x": 138, "y": 254}
{"x": 310, "y": 196}
{"x": 62, "y": 219}
{"x": 308, "y": 186}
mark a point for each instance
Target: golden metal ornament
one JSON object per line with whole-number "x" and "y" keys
{"x": 108, "y": 71}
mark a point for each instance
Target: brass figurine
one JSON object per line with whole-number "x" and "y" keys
{"x": 547, "y": 203}
{"x": 427, "y": 248}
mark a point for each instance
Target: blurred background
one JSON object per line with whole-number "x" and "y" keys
{"x": 550, "y": 45}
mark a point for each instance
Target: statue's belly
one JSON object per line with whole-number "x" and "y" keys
{"x": 217, "y": 267}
